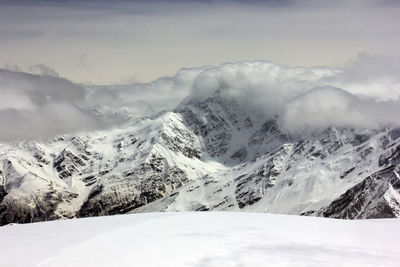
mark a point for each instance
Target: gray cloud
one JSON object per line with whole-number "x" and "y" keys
{"x": 371, "y": 67}
{"x": 365, "y": 94}
{"x": 324, "y": 107}
{"x": 41, "y": 106}
{"x": 140, "y": 99}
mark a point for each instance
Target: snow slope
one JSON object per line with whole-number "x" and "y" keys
{"x": 202, "y": 239}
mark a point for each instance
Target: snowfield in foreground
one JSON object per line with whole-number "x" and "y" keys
{"x": 202, "y": 239}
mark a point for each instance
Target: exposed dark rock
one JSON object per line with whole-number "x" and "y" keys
{"x": 347, "y": 172}
{"x": 3, "y": 193}
{"x": 364, "y": 154}
{"x": 360, "y": 139}
{"x": 240, "y": 154}
{"x": 391, "y": 157}
{"x": 67, "y": 164}
{"x": 202, "y": 208}
{"x": 366, "y": 199}
{"x": 17, "y": 211}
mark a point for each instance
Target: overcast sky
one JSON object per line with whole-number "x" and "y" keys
{"x": 111, "y": 42}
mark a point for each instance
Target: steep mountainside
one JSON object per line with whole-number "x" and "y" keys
{"x": 205, "y": 155}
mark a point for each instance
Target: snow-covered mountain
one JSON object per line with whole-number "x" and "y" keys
{"x": 206, "y": 154}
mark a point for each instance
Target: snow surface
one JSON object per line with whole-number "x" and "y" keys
{"x": 202, "y": 239}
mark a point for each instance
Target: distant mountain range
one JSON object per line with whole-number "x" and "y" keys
{"x": 206, "y": 154}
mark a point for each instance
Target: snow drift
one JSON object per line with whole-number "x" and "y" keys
{"x": 202, "y": 239}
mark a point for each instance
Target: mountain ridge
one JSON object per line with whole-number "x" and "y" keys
{"x": 206, "y": 154}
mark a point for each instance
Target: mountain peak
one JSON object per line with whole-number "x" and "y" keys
{"x": 207, "y": 154}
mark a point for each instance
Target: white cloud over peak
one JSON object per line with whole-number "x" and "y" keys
{"x": 324, "y": 107}
{"x": 365, "y": 94}
{"x": 41, "y": 106}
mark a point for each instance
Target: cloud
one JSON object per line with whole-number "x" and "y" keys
{"x": 43, "y": 69}
{"x": 258, "y": 84}
{"x": 324, "y": 107}
{"x": 365, "y": 94}
{"x": 371, "y": 66}
{"x": 41, "y": 106}
{"x": 141, "y": 99}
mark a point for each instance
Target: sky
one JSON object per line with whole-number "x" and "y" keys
{"x": 116, "y": 42}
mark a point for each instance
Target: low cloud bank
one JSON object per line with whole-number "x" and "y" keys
{"x": 323, "y": 107}
{"x": 365, "y": 94}
{"x": 41, "y": 106}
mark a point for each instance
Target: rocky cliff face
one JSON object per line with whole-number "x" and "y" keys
{"x": 376, "y": 196}
{"x": 205, "y": 155}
